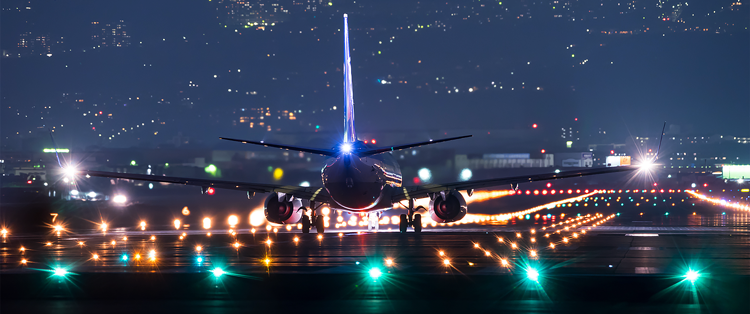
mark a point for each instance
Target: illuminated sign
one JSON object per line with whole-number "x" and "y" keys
{"x": 735, "y": 172}
{"x": 59, "y": 150}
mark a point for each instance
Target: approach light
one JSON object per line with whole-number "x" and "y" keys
{"x": 532, "y": 274}
{"x": 389, "y": 262}
{"x": 119, "y": 199}
{"x": 375, "y": 273}
{"x": 346, "y": 148}
{"x": 233, "y": 220}
{"x": 217, "y": 272}
{"x": 61, "y": 272}
{"x": 692, "y": 275}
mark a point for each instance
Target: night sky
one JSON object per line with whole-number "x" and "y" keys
{"x": 506, "y": 67}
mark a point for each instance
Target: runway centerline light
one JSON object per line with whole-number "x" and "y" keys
{"x": 375, "y": 273}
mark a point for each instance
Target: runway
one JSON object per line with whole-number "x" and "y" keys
{"x": 597, "y": 255}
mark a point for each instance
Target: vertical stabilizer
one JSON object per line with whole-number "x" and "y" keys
{"x": 349, "y": 134}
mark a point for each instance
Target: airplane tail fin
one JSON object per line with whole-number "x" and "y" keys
{"x": 349, "y": 133}
{"x": 656, "y": 156}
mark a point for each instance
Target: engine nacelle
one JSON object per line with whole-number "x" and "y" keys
{"x": 447, "y": 206}
{"x": 279, "y": 209}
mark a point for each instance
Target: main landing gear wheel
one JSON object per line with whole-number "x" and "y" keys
{"x": 403, "y": 223}
{"x": 417, "y": 223}
{"x": 319, "y": 224}
{"x": 305, "y": 221}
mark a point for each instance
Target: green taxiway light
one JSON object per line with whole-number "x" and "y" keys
{"x": 375, "y": 273}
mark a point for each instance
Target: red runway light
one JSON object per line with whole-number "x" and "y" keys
{"x": 536, "y": 192}
{"x": 29, "y": 182}
{"x": 549, "y": 184}
{"x": 528, "y": 192}
{"x": 373, "y": 141}
{"x": 210, "y": 191}
{"x": 543, "y": 151}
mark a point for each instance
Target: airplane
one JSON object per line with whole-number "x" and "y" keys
{"x": 360, "y": 178}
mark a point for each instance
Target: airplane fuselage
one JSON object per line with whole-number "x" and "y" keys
{"x": 361, "y": 184}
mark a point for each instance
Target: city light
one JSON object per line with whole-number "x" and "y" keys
{"x": 177, "y": 224}
{"x": 206, "y": 223}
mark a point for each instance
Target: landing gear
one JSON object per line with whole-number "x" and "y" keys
{"x": 417, "y": 223}
{"x": 410, "y": 219}
{"x": 305, "y": 221}
{"x": 403, "y": 223}
{"x": 373, "y": 221}
{"x": 320, "y": 224}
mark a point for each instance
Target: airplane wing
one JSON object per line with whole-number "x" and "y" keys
{"x": 421, "y": 191}
{"x": 380, "y": 150}
{"x": 319, "y": 151}
{"x": 317, "y": 194}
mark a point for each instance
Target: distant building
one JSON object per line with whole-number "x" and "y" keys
{"x": 110, "y": 34}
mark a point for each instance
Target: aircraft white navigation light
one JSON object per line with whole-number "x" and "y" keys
{"x": 346, "y": 148}
{"x": 120, "y": 199}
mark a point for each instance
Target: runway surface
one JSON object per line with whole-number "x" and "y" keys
{"x": 618, "y": 260}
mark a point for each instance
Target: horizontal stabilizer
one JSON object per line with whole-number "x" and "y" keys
{"x": 319, "y": 151}
{"x": 405, "y": 146}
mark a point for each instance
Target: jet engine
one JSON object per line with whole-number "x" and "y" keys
{"x": 283, "y": 209}
{"x": 447, "y": 206}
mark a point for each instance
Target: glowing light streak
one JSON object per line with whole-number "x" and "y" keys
{"x": 719, "y": 202}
